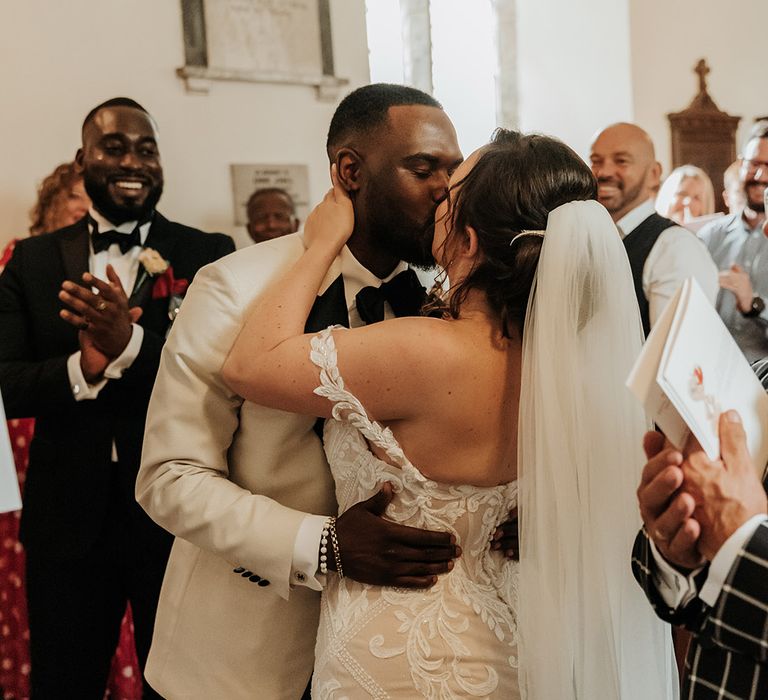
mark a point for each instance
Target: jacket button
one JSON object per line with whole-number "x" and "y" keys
{"x": 246, "y": 574}
{"x": 254, "y": 578}
{"x": 263, "y": 582}
{"x": 238, "y": 570}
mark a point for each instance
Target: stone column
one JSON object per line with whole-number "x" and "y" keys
{"x": 507, "y": 97}
{"x": 417, "y": 44}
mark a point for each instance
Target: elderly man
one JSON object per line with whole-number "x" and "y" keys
{"x": 271, "y": 214}
{"x": 661, "y": 253}
{"x": 86, "y": 373}
{"x": 740, "y": 249}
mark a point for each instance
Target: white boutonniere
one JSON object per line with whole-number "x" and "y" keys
{"x": 153, "y": 262}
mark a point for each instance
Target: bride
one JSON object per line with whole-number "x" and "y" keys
{"x": 514, "y": 397}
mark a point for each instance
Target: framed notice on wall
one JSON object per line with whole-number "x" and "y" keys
{"x": 247, "y": 178}
{"x": 278, "y": 41}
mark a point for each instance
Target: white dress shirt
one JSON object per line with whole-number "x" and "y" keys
{"x": 307, "y": 544}
{"x": 126, "y": 266}
{"x": 677, "y": 589}
{"x": 676, "y": 255}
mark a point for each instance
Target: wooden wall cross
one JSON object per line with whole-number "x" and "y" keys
{"x": 703, "y": 70}
{"x": 704, "y": 135}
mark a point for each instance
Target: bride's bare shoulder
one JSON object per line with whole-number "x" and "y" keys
{"x": 422, "y": 346}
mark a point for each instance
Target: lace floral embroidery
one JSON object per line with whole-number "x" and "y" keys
{"x": 455, "y": 640}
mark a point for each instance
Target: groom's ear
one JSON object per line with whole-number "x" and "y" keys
{"x": 348, "y": 162}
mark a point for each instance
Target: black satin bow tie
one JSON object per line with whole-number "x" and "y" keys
{"x": 404, "y": 293}
{"x": 126, "y": 241}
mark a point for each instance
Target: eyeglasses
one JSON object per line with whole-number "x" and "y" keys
{"x": 755, "y": 164}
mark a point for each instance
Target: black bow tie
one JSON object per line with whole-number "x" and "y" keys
{"x": 404, "y": 293}
{"x": 126, "y": 241}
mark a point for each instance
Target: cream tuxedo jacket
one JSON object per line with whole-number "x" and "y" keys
{"x": 232, "y": 481}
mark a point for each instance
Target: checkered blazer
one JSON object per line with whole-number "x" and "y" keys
{"x": 728, "y": 658}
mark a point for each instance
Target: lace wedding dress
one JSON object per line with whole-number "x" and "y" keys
{"x": 457, "y": 639}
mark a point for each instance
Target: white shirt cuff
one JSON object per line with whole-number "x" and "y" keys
{"x": 124, "y": 360}
{"x": 675, "y": 588}
{"x": 81, "y": 389}
{"x": 306, "y": 552}
{"x": 724, "y": 559}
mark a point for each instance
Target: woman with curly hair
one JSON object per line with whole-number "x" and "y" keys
{"x": 61, "y": 201}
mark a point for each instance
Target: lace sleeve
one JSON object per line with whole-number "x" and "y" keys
{"x": 347, "y": 408}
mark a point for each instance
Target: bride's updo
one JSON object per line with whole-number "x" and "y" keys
{"x": 516, "y": 182}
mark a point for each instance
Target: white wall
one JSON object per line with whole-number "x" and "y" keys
{"x": 464, "y": 58}
{"x": 59, "y": 59}
{"x": 573, "y": 67}
{"x": 668, "y": 39}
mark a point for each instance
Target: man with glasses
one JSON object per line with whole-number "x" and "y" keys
{"x": 740, "y": 250}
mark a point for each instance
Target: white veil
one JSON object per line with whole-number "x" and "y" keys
{"x": 586, "y": 630}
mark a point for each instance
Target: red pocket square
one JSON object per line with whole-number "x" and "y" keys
{"x": 167, "y": 285}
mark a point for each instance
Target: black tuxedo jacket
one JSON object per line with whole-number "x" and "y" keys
{"x": 68, "y": 482}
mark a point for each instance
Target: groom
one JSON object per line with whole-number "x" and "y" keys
{"x": 244, "y": 488}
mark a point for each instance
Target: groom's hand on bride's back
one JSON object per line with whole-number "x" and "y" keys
{"x": 377, "y": 551}
{"x": 506, "y": 538}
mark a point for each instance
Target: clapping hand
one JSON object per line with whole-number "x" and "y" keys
{"x": 102, "y": 317}
{"x": 332, "y": 221}
{"x": 737, "y": 280}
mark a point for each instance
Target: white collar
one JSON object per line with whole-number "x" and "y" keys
{"x": 355, "y": 275}
{"x": 631, "y": 220}
{"x": 104, "y": 224}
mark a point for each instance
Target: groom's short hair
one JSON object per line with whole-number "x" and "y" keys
{"x": 115, "y": 102}
{"x": 366, "y": 108}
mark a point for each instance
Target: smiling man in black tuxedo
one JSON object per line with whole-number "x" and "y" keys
{"x": 80, "y": 353}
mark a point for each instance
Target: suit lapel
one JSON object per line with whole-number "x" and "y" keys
{"x": 329, "y": 309}
{"x": 74, "y": 251}
{"x": 160, "y": 239}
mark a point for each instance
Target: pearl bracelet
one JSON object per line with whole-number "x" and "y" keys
{"x": 324, "y": 545}
{"x": 335, "y": 545}
{"x": 329, "y": 532}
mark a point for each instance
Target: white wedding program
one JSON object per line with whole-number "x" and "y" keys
{"x": 10, "y": 498}
{"x": 691, "y": 370}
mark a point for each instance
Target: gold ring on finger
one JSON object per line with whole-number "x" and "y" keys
{"x": 659, "y": 535}
{"x": 101, "y": 305}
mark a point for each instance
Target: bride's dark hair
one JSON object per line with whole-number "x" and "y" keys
{"x": 516, "y": 182}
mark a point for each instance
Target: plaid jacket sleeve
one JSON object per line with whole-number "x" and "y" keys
{"x": 691, "y": 615}
{"x": 739, "y": 619}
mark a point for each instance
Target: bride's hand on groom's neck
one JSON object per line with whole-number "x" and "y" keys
{"x": 332, "y": 221}
{"x": 376, "y": 551}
